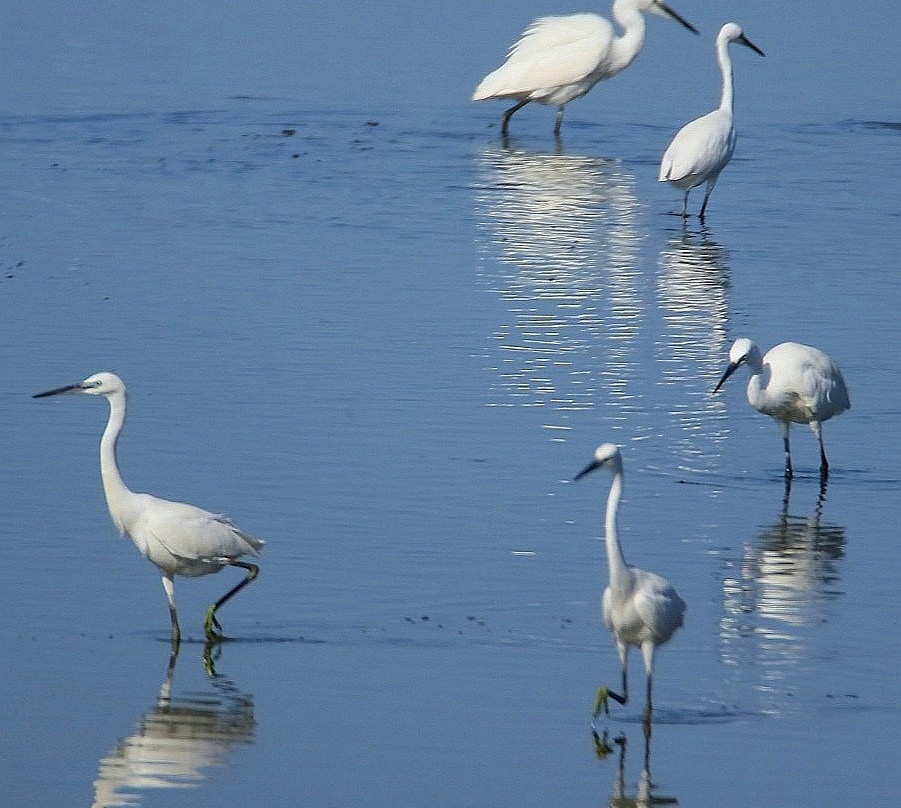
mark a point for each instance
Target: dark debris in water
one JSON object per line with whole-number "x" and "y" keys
{"x": 561, "y": 623}
{"x": 9, "y": 273}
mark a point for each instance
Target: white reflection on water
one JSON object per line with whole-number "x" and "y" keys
{"x": 176, "y": 742}
{"x": 692, "y": 291}
{"x": 776, "y": 593}
{"x": 560, "y": 248}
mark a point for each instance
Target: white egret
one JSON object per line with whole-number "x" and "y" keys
{"x": 560, "y": 58}
{"x": 792, "y": 383}
{"x": 639, "y": 607}
{"x": 180, "y": 539}
{"x": 702, "y": 148}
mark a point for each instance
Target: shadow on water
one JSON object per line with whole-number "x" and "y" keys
{"x": 178, "y": 741}
{"x": 560, "y": 247}
{"x": 775, "y": 594}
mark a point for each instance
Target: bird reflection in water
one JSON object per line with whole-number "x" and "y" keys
{"x": 776, "y": 593}
{"x": 177, "y": 742}
{"x": 692, "y": 293}
{"x": 560, "y": 248}
{"x": 643, "y": 796}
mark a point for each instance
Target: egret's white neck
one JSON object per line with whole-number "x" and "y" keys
{"x": 722, "y": 56}
{"x": 118, "y": 497}
{"x": 624, "y": 49}
{"x": 760, "y": 378}
{"x": 616, "y": 562}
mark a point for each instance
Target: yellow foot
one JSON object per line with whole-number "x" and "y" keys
{"x": 601, "y": 702}
{"x": 211, "y": 625}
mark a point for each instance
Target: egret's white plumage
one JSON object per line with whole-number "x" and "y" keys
{"x": 640, "y": 608}
{"x": 179, "y": 539}
{"x": 792, "y": 383}
{"x": 702, "y": 148}
{"x": 561, "y": 58}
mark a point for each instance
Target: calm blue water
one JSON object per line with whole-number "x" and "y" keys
{"x": 352, "y": 319}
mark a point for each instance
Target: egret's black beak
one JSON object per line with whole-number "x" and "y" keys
{"x": 69, "y": 388}
{"x": 733, "y": 366}
{"x": 747, "y": 43}
{"x": 587, "y": 470}
{"x": 665, "y": 8}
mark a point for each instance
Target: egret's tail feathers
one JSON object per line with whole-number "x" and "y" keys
{"x": 256, "y": 544}
{"x": 488, "y": 87}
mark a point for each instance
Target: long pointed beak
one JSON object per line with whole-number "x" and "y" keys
{"x": 670, "y": 13}
{"x": 747, "y": 43}
{"x": 733, "y": 366}
{"x": 69, "y": 388}
{"x": 587, "y": 470}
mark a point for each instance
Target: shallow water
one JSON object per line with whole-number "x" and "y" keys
{"x": 384, "y": 342}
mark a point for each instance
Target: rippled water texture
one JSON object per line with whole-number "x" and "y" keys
{"x": 385, "y": 341}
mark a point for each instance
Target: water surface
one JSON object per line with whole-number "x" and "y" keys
{"x": 385, "y": 341}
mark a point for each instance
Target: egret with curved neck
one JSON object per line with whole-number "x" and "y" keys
{"x": 558, "y": 59}
{"x": 639, "y": 607}
{"x": 703, "y": 147}
{"x": 793, "y": 383}
{"x": 179, "y": 539}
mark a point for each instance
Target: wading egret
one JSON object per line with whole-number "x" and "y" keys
{"x": 639, "y": 607}
{"x": 702, "y": 148}
{"x": 793, "y": 383}
{"x": 180, "y": 539}
{"x": 558, "y": 59}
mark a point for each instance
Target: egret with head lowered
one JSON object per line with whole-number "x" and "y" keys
{"x": 639, "y": 607}
{"x": 703, "y": 147}
{"x": 560, "y": 58}
{"x": 792, "y": 383}
{"x": 179, "y": 539}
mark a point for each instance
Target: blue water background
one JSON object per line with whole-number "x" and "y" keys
{"x": 353, "y": 320}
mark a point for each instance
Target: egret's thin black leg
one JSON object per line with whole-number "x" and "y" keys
{"x": 558, "y": 122}
{"x": 704, "y": 204}
{"x": 604, "y": 693}
{"x": 824, "y": 463}
{"x": 647, "y": 710}
{"x": 211, "y": 624}
{"x": 505, "y": 120}
{"x": 788, "y": 455}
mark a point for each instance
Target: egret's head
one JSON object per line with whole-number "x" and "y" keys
{"x": 606, "y": 455}
{"x": 100, "y": 384}
{"x": 731, "y": 32}
{"x": 742, "y": 349}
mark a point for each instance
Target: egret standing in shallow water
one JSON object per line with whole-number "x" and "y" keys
{"x": 702, "y": 148}
{"x": 559, "y": 59}
{"x": 180, "y": 539}
{"x": 793, "y": 383}
{"x": 639, "y": 607}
